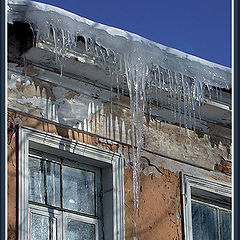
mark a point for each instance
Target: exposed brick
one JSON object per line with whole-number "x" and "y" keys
{"x": 226, "y": 163}
{"x": 226, "y": 170}
{"x": 80, "y": 137}
{"x": 85, "y": 138}
{"x": 218, "y": 168}
{"x": 223, "y": 169}
{"x": 114, "y": 148}
{"x": 75, "y": 135}
{"x": 70, "y": 134}
{"x": 95, "y": 141}
{"x": 10, "y": 135}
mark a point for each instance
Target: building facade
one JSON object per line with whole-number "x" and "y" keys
{"x": 90, "y": 156}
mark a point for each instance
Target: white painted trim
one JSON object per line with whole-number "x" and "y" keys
{"x": 83, "y": 219}
{"x": 204, "y": 184}
{"x": 45, "y": 212}
{"x": 103, "y": 157}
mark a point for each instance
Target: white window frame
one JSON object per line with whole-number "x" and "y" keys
{"x": 203, "y": 184}
{"x": 112, "y": 166}
{"x": 93, "y": 221}
{"x": 64, "y": 214}
{"x": 45, "y": 212}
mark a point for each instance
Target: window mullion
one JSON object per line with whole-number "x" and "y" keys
{"x": 45, "y": 180}
{"x": 61, "y": 184}
{"x": 52, "y": 172}
{"x": 63, "y": 225}
{"x": 61, "y": 199}
{"x": 218, "y": 222}
{"x": 95, "y": 195}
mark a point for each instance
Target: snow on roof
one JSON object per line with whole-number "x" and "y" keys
{"x": 42, "y": 16}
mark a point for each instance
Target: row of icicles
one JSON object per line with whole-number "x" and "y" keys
{"x": 149, "y": 87}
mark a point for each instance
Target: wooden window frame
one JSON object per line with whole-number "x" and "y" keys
{"x": 111, "y": 164}
{"x": 207, "y": 185}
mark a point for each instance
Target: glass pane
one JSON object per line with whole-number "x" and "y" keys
{"x": 36, "y": 180}
{"x": 225, "y": 219}
{"x": 53, "y": 184}
{"x": 77, "y": 230}
{"x": 204, "y": 222}
{"x": 78, "y": 190}
{"x": 42, "y": 227}
{"x": 44, "y": 182}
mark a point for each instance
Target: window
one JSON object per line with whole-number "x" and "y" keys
{"x": 68, "y": 190}
{"x": 73, "y": 190}
{"x": 207, "y": 209}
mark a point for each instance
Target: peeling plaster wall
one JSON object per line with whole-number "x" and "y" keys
{"x": 203, "y": 151}
{"x": 160, "y": 207}
{"x": 84, "y": 110}
{"x": 160, "y": 214}
{"x": 12, "y": 182}
{"x": 78, "y": 110}
{"x": 160, "y": 193}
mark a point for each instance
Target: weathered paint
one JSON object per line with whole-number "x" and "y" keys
{"x": 160, "y": 198}
{"x": 83, "y": 112}
{"x": 12, "y": 181}
{"x": 77, "y": 108}
{"x": 167, "y": 149}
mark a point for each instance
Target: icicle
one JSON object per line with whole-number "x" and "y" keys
{"x": 36, "y": 36}
{"x": 221, "y": 96}
{"x": 167, "y": 87}
{"x": 160, "y": 85}
{"x": 156, "y": 88}
{"x": 89, "y": 117}
{"x": 63, "y": 39}
{"x": 184, "y": 102}
{"x": 118, "y": 90}
{"x": 149, "y": 92}
{"x": 189, "y": 105}
{"x": 209, "y": 92}
{"x": 217, "y": 93}
{"x": 175, "y": 96}
{"x": 103, "y": 58}
{"x": 171, "y": 91}
{"x": 61, "y": 73}
{"x": 24, "y": 64}
{"x": 178, "y": 100}
{"x": 31, "y": 27}
{"x": 193, "y": 90}
{"x": 55, "y": 44}
{"x": 111, "y": 89}
{"x": 86, "y": 43}
{"x": 96, "y": 51}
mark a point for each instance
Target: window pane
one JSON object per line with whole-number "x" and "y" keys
{"x": 77, "y": 230}
{"x": 44, "y": 182}
{"x": 204, "y": 222}
{"x": 36, "y": 180}
{"x": 42, "y": 227}
{"x": 225, "y": 225}
{"x": 78, "y": 190}
{"x": 53, "y": 184}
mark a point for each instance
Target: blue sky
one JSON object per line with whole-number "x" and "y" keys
{"x": 198, "y": 27}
